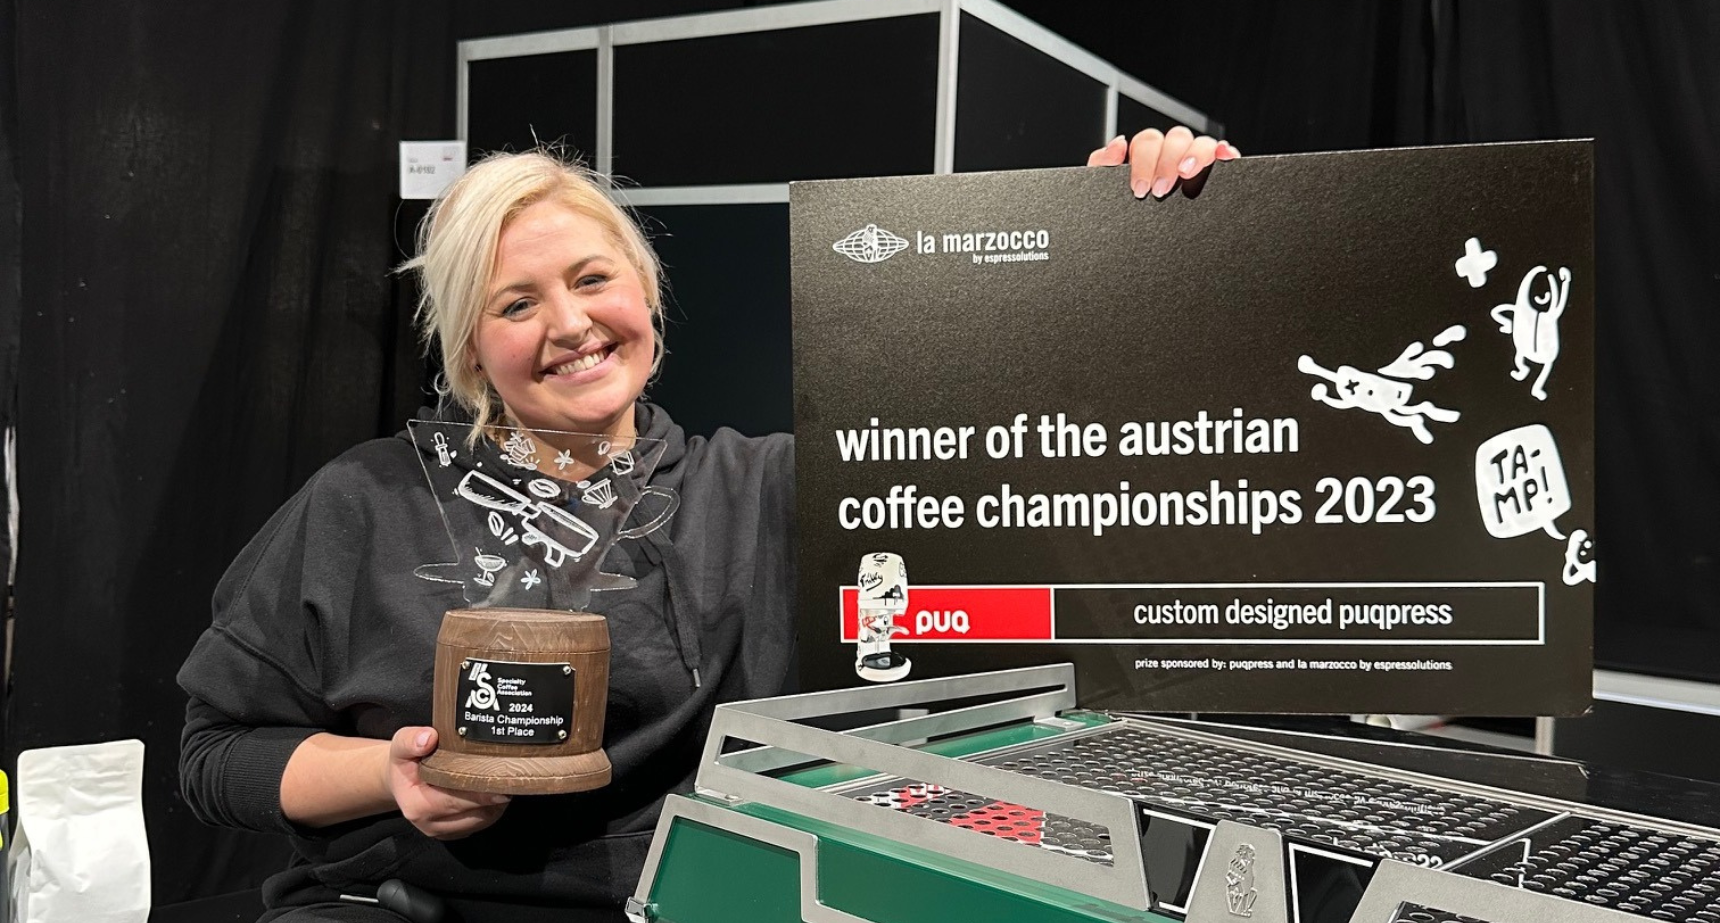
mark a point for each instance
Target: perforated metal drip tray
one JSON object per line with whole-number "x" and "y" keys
{"x": 1189, "y": 782}
{"x": 1415, "y": 913}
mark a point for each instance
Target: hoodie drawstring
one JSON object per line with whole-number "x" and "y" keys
{"x": 683, "y": 619}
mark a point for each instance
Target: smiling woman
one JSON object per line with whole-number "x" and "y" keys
{"x": 565, "y": 346}
{"x": 310, "y": 696}
{"x": 528, "y": 271}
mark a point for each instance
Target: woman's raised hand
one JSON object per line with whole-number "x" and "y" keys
{"x": 1158, "y": 161}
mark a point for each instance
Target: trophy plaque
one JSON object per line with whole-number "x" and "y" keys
{"x": 521, "y": 673}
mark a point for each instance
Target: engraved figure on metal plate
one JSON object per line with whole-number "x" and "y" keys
{"x": 1239, "y": 890}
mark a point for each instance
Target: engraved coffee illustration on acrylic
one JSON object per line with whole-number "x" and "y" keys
{"x": 521, "y": 671}
{"x": 558, "y": 514}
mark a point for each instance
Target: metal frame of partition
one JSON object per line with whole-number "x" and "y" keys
{"x": 604, "y": 40}
{"x": 1683, "y": 696}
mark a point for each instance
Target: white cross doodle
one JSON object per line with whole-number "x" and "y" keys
{"x": 1476, "y": 262}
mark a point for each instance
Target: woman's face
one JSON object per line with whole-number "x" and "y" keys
{"x": 565, "y": 335}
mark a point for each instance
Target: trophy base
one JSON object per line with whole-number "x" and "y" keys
{"x": 504, "y": 775}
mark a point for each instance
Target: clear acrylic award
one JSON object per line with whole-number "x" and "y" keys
{"x": 522, "y": 671}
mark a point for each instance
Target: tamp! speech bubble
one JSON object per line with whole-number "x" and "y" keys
{"x": 1520, "y": 482}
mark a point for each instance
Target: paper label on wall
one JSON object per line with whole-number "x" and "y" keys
{"x": 428, "y": 167}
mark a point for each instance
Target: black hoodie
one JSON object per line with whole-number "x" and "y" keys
{"x": 321, "y": 625}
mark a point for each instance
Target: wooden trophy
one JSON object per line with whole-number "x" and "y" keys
{"x": 521, "y": 678}
{"x": 520, "y": 696}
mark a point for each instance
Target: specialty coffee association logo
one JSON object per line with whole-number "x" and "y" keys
{"x": 483, "y": 694}
{"x": 873, "y": 244}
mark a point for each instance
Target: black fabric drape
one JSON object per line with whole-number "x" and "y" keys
{"x": 208, "y": 194}
{"x": 11, "y": 301}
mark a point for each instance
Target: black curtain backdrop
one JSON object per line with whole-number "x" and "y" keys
{"x": 11, "y": 303}
{"x": 209, "y": 227}
{"x": 206, "y": 311}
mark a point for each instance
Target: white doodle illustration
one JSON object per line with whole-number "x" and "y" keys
{"x": 1520, "y": 482}
{"x": 1476, "y": 263}
{"x": 1533, "y": 324}
{"x": 516, "y": 537}
{"x": 521, "y": 450}
{"x": 488, "y": 564}
{"x": 561, "y": 534}
{"x": 883, "y": 584}
{"x": 1579, "y": 558}
{"x": 622, "y": 464}
{"x": 600, "y": 495}
{"x": 544, "y": 489}
{"x": 1385, "y": 393}
{"x": 500, "y": 529}
{"x": 444, "y": 455}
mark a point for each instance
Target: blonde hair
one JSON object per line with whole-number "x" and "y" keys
{"x": 457, "y": 243}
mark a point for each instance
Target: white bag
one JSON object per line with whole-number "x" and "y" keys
{"x": 80, "y": 854}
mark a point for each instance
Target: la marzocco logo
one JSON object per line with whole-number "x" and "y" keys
{"x": 873, "y": 244}
{"x": 870, "y": 244}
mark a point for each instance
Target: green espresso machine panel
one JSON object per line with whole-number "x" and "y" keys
{"x": 992, "y": 797}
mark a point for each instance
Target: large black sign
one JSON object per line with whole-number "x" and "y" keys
{"x": 1315, "y": 437}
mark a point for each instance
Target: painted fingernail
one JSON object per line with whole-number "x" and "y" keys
{"x": 422, "y": 740}
{"x": 1186, "y": 167}
{"x": 1141, "y": 188}
{"x": 1162, "y": 187}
